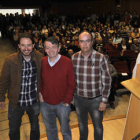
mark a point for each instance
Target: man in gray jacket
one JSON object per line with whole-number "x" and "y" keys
{"x": 20, "y": 75}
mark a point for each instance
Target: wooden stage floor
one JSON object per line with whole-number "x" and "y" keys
{"x": 113, "y": 129}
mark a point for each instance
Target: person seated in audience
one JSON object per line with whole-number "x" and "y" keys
{"x": 107, "y": 37}
{"x": 57, "y": 37}
{"x": 135, "y": 33}
{"x": 127, "y": 17}
{"x": 130, "y": 29}
{"x": 135, "y": 46}
{"x": 40, "y": 46}
{"x": 110, "y": 46}
{"x": 117, "y": 28}
{"x": 29, "y": 31}
{"x": 114, "y": 75}
{"x": 59, "y": 33}
{"x": 116, "y": 17}
{"x": 123, "y": 46}
{"x": 36, "y": 38}
{"x": 130, "y": 38}
{"x": 64, "y": 47}
{"x": 70, "y": 53}
{"x": 94, "y": 31}
{"x": 50, "y": 33}
{"x": 111, "y": 30}
{"x": 21, "y": 29}
{"x": 103, "y": 34}
{"x": 39, "y": 28}
{"x": 96, "y": 37}
{"x": 35, "y": 30}
{"x": 76, "y": 36}
{"x": 123, "y": 25}
{"x": 99, "y": 46}
{"x": 16, "y": 37}
{"x": 124, "y": 34}
{"x": 117, "y": 39}
{"x": 44, "y": 30}
{"x": 45, "y": 36}
{"x": 74, "y": 46}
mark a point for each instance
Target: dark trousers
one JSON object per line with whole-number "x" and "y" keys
{"x": 85, "y": 106}
{"x": 111, "y": 97}
{"x": 15, "y": 118}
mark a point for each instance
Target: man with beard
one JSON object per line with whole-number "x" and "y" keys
{"x": 20, "y": 75}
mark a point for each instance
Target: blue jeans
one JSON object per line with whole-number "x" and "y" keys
{"x": 91, "y": 106}
{"x": 15, "y": 118}
{"x": 49, "y": 114}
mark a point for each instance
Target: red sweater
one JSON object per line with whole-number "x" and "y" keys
{"x": 57, "y": 82}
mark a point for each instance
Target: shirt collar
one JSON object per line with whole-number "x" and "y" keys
{"x": 56, "y": 60}
{"x": 90, "y": 56}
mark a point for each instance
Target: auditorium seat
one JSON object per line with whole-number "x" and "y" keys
{"x": 114, "y": 55}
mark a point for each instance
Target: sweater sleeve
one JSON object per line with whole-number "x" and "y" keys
{"x": 71, "y": 83}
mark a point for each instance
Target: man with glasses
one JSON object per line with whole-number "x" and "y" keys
{"x": 20, "y": 75}
{"x": 93, "y": 82}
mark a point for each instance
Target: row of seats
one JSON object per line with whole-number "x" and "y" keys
{"x": 124, "y": 63}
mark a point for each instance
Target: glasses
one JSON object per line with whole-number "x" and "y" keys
{"x": 85, "y": 41}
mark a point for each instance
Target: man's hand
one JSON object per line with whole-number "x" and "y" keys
{"x": 40, "y": 97}
{"x": 102, "y": 106}
{"x": 2, "y": 106}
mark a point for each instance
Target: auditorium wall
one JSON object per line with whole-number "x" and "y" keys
{"x": 99, "y": 6}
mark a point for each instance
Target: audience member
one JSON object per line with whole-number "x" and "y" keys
{"x": 135, "y": 46}
{"x": 123, "y": 46}
{"x": 110, "y": 46}
{"x": 135, "y": 33}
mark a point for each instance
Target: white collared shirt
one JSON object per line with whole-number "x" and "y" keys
{"x": 56, "y": 60}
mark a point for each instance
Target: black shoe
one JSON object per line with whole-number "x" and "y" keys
{"x": 72, "y": 107}
{"x": 112, "y": 105}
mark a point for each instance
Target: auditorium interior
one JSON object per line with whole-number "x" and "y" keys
{"x": 115, "y": 28}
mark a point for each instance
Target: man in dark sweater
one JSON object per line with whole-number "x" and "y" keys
{"x": 56, "y": 90}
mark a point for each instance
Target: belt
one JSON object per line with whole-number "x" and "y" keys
{"x": 87, "y": 98}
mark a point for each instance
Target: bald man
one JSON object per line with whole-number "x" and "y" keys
{"x": 93, "y": 82}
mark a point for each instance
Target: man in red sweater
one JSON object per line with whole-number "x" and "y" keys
{"x": 56, "y": 90}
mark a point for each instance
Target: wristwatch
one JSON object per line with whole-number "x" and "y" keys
{"x": 65, "y": 104}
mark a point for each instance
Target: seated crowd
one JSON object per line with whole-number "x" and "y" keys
{"x": 112, "y": 31}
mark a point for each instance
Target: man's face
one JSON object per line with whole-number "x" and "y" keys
{"x": 51, "y": 49}
{"x": 26, "y": 46}
{"x": 85, "y": 42}
{"x": 135, "y": 41}
{"x": 110, "y": 41}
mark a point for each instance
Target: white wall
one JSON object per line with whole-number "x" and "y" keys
{"x": 13, "y": 11}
